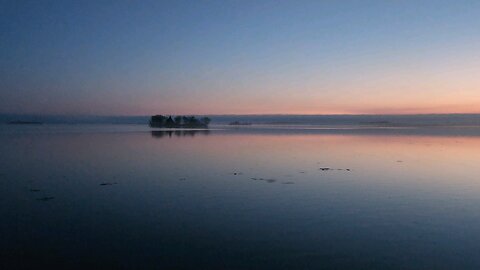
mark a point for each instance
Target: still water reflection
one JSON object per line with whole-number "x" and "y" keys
{"x": 178, "y": 133}
{"x": 131, "y": 198}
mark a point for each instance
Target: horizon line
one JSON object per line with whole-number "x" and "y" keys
{"x": 233, "y": 114}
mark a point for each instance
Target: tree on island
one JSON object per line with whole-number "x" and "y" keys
{"x": 205, "y": 120}
{"x": 169, "y": 122}
{"x": 158, "y": 120}
{"x": 179, "y": 121}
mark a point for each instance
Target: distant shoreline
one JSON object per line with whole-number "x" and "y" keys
{"x": 287, "y": 119}
{"x": 24, "y": 123}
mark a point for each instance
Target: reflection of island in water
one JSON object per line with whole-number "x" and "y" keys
{"x": 178, "y": 133}
{"x": 179, "y": 121}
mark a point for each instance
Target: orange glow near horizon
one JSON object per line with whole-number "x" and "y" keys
{"x": 442, "y": 90}
{"x": 312, "y": 106}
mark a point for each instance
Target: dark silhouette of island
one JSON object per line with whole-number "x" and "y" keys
{"x": 179, "y": 121}
{"x": 24, "y": 123}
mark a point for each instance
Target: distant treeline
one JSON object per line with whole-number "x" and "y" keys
{"x": 179, "y": 121}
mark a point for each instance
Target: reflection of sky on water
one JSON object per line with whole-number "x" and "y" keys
{"x": 190, "y": 201}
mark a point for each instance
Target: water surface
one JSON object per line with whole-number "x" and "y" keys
{"x": 111, "y": 196}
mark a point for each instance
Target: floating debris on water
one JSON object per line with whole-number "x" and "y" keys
{"x": 331, "y": 169}
{"x": 34, "y": 190}
{"x": 182, "y": 179}
{"x": 268, "y": 180}
{"x": 44, "y": 199}
{"x": 288, "y": 183}
{"x": 108, "y": 183}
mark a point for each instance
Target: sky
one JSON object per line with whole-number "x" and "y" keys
{"x": 239, "y": 57}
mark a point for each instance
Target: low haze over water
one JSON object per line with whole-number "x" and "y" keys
{"x": 258, "y": 197}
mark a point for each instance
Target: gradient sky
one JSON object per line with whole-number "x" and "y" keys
{"x": 239, "y": 57}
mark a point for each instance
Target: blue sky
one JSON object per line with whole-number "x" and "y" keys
{"x": 216, "y": 57}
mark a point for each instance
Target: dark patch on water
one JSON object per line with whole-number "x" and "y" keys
{"x": 108, "y": 183}
{"x": 331, "y": 169}
{"x": 45, "y": 199}
{"x": 288, "y": 183}
{"x": 268, "y": 180}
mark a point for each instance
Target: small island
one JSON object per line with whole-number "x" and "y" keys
{"x": 18, "y": 122}
{"x": 179, "y": 121}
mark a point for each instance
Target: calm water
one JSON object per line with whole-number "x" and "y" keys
{"x": 127, "y": 198}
